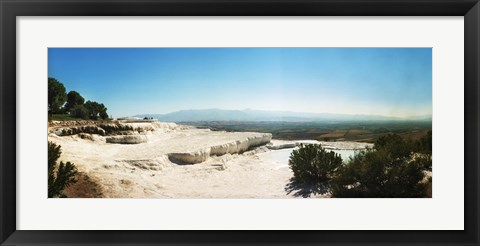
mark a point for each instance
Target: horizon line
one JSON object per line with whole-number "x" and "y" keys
{"x": 286, "y": 111}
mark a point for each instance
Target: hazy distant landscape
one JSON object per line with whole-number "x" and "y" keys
{"x": 249, "y": 115}
{"x": 297, "y": 126}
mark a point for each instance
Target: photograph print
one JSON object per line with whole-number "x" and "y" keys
{"x": 288, "y": 123}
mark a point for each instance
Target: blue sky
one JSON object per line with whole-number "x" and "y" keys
{"x": 129, "y": 81}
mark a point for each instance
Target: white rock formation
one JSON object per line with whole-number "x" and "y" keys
{"x": 234, "y": 147}
{"x": 68, "y": 128}
{"x": 165, "y": 125}
{"x": 190, "y": 157}
{"x": 241, "y": 145}
{"x": 282, "y": 146}
{"x": 127, "y": 139}
{"x": 91, "y": 129}
{"x": 151, "y": 169}
{"x": 155, "y": 164}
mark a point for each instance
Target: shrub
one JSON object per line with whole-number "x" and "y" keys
{"x": 424, "y": 145}
{"x": 313, "y": 164}
{"x": 394, "y": 146}
{"x": 424, "y": 160}
{"x": 63, "y": 176}
{"x": 387, "y": 170}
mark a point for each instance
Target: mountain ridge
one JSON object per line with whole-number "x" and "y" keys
{"x": 215, "y": 114}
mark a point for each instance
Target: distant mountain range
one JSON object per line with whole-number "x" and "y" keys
{"x": 261, "y": 115}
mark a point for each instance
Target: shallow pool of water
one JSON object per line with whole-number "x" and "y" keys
{"x": 280, "y": 158}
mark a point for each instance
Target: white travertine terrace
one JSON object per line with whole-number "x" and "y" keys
{"x": 233, "y": 147}
{"x": 181, "y": 144}
{"x": 226, "y": 164}
{"x": 127, "y": 139}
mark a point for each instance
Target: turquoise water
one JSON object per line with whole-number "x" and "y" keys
{"x": 345, "y": 153}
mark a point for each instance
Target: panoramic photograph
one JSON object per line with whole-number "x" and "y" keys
{"x": 261, "y": 123}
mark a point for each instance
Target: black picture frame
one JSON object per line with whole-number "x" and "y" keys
{"x": 10, "y": 9}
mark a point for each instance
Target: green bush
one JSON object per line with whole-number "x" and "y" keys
{"x": 394, "y": 146}
{"x": 423, "y": 160}
{"x": 313, "y": 164}
{"x": 424, "y": 145}
{"x": 61, "y": 177}
{"x": 387, "y": 170}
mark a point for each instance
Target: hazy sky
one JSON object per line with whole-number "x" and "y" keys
{"x": 381, "y": 81}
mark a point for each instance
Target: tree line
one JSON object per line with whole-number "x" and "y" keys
{"x": 59, "y": 102}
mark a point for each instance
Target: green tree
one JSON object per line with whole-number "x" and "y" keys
{"x": 103, "y": 113}
{"x": 56, "y": 96}
{"x": 96, "y": 110}
{"x": 73, "y": 99}
{"x": 61, "y": 177}
{"x": 313, "y": 164}
{"x": 79, "y": 111}
{"x": 387, "y": 170}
